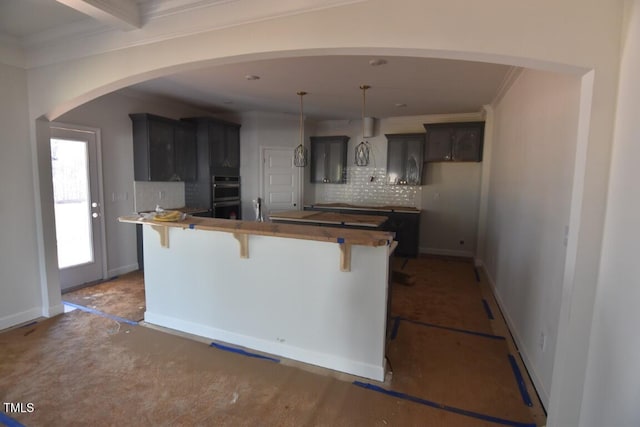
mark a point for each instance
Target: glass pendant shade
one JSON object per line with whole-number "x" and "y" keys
{"x": 362, "y": 154}
{"x": 300, "y": 155}
{"x": 362, "y": 149}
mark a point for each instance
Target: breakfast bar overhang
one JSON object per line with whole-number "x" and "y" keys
{"x": 313, "y": 294}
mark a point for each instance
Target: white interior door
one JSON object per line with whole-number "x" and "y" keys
{"x": 78, "y": 210}
{"x": 281, "y": 181}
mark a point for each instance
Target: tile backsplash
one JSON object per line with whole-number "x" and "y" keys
{"x": 147, "y": 195}
{"x": 360, "y": 190}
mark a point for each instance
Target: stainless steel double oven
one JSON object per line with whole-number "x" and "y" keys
{"x": 226, "y": 196}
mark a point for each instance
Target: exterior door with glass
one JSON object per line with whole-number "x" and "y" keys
{"x": 78, "y": 209}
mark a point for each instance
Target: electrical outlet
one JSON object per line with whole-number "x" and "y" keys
{"x": 542, "y": 341}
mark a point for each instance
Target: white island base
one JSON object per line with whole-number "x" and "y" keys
{"x": 287, "y": 297}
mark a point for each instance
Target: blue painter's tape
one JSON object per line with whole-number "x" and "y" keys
{"x": 340, "y": 239}
{"x": 243, "y": 352}
{"x": 8, "y": 421}
{"x": 464, "y": 331}
{"x": 396, "y": 325}
{"x": 487, "y": 309}
{"x": 521, "y": 385}
{"x": 192, "y": 226}
{"x": 447, "y": 408}
{"x": 100, "y": 313}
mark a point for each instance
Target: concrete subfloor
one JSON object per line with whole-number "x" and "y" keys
{"x": 450, "y": 365}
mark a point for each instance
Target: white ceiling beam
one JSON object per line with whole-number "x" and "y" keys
{"x": 123, "y": 14}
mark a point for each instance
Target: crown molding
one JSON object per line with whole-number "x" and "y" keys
{"x": 164, "y": 21}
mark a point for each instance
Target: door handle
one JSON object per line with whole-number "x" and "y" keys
{"x": 295, "y": 204}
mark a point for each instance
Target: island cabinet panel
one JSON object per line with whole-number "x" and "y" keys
{"x": 454, "y": 142}
{"x": 329, "y": 159}
{"x": 163, "y": 149}
{"x": 405, "y": 154}
{"x": 224, "y": 280}
{"x": 407, "y": 229}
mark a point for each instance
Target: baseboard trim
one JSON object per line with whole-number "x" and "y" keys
{"x": 18, "y": 318}
{"x": 53, "y": 310}
{"x": 447, "y": 252}
{"x": 544, "y": 395}
{"x": 122, "y": 270}
{"x": 324, "y": 360}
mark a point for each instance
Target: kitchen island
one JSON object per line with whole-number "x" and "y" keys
{"x": 312, "y": 294}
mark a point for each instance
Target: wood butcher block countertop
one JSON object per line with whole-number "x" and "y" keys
{"x": 332, "y": 218}
{"x": 383, "y": 208}
{"x": 293, "y": 231}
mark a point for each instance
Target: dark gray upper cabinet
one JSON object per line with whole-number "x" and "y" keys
{"x": 329, "y": 159}
{"x": 218, "y": 153}
{"x": 457, "y": 142}
{"x": 224, "y": 141}
{"x": 405, "y": 153}
{"x": 163, "y": 149}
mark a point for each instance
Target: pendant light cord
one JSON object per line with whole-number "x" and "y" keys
{"x": 301, "y": 120}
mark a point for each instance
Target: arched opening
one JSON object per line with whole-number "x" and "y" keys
{"x": 63, "y": 110}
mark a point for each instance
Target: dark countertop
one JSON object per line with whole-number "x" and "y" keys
{"x": 331, "y": 218}
{"x": 381, "y": 208}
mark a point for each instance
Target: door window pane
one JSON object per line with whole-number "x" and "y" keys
{"x": 70, "y": 173}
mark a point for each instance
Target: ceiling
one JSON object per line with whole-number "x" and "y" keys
{"x": 403, "y": 86}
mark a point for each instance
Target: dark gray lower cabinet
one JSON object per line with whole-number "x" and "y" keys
{"x": 407, "y": 229}
{"x": 405, "y": 225}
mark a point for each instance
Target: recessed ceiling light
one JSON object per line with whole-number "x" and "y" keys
{"x": 400, "y": 105}
{"x": 376, "y": 62}
{"x": 252, "y": 77}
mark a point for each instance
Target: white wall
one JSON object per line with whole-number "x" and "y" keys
{"x": 262, "y": 130}
{"x": 529, "y": 203}
{"x": 110, "y": 114}
{"x": 612, "y": 386}
{"x": 450, "y": 197}
{"x": 20, "y": 298}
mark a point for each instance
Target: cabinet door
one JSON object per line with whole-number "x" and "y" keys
{"x": 407, "y": 229}
{"x": 224, "y": 143}
{"x": 217, "y": 148}
{"x": 467, "y": 143}
{"x": 396, "y": 154}
{"x": 161, "y": 151}
{"x": 318, "y": 161}
{"x": 329, "y": 159}
{"x": 232, "y": 149}
{"x": 336, "y": 161}
{"x": 405, "y": 153}
{"x": 185, "y": 153}
{"x": 414, "y": 159}
{"x": 439, "y": 139}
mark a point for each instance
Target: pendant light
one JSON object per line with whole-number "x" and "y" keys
{"x": 300, "y": 156}
{"x": 362, "y": 149}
